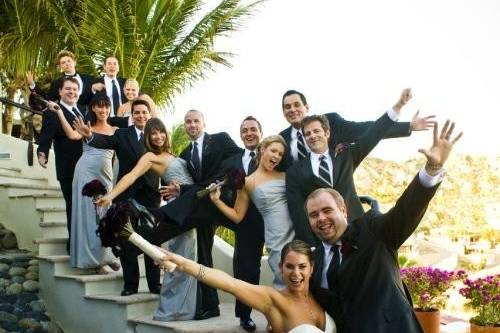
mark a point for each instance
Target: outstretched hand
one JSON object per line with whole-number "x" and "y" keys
{"x": 403, "y": 100}
{"x": 422, "y": 123}
{"x": 103, "y": 201}
{"x": 441, "y": 146}
{"x": 83, "y": 128}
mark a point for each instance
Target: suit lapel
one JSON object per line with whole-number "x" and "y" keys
{"x": 132, "y": 137}
{"x": 308, "y": 172}
{"x": 336, "y": 165}
{"x": 205, "y": 154}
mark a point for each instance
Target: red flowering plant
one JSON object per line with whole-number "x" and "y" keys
{"x": 428, "y": 286}
{"x": 483, "y": 297}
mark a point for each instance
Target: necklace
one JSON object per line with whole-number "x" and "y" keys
{"x": 310, "y": 310}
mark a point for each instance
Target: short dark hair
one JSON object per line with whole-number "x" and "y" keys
{"x": 293, "y": 92}
{"x": 99, "y": 99}
{"x": 65, "y": 53}
{"x": 140, "y": 102}
{"x": 339, "y": 200}
{"x": 252, "y": 118}
{"x": 316, "y": 117}
{"x": 155, "y": 124}
{"x": 110, "y": 56}
{"x": 70, "y": 79}
{"x": 298, "y": 246}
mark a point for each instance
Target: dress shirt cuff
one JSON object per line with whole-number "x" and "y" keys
{"x": 393, "y": 115}
{"x": 430, "y": 181}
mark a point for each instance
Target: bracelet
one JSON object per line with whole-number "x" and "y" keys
{"x": 201, "y": 273}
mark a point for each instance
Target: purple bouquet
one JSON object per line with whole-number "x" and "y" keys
{"x": 428, "y": 286}
{"x": 94, "y": 189}
{"x": 483, "y": 297}
{"x": 233, "y": 178}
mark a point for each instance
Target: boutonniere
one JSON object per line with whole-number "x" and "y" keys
{"x": 349, "y": 241}
{"x": 340, "y": 148}
{"x": 347, "y": 248}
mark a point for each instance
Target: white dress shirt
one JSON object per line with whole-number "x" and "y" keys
{"x": 200, "y": 146}
{"x": 315, "y": 163}
{"x": 293, "y": 144}
{"x": 108, "y": 82}
{"x": 246, "y": 158}
{"x": 70, "y": 108}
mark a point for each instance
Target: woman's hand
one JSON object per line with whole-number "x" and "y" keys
{"x": 215, "y": 194}
{"x": 103, "y": 201}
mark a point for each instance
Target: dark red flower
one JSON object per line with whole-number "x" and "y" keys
{"x": 235, "y": 178}
{"x": 94, "y": 188}
{"x": 112, "y": 224}
{"x": 340, "y": 148}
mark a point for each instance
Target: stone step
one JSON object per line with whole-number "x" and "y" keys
{"x": 226, "y": 323}
{"x": 15, "y": 190}
{"x": 52, "y": 201}
{"x": 10, "y": 171}
{"x": 7, "y": 177}
{"x": 54, "y": 229}
{"x": 52, "y": 214}
{"x": 51, "y": 246}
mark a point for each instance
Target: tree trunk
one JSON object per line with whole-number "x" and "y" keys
{"x": 8, "y": 116}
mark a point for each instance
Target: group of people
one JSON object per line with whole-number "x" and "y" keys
{"x": 298, "y": 194}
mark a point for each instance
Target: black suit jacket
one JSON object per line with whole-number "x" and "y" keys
{"x": 342, "y": 130}
{"x": 53, "y": 93}
{"x": 121, "y": 83}
{"x": 216, "y": 148}
{"x": 67, "y": 151}
{"x": 301, "y": 181}
{"x": 368, "y": 294}
{"x": 129, "y": 151}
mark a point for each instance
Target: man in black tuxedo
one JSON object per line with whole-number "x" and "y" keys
{"x": 129, "y": 146}
{"x": 249, "y": 233}
{"x": 204, "y": 157}
{"x": 295, "y": 108}
{"x": 356, "y": 273}
{"x": 67, "y": 152}
{"x": 67, "y": 63}
{"x": 111, "y": 84}
{"x": 334, "y": 168}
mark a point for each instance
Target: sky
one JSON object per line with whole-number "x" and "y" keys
{"x": 354, "y": 57}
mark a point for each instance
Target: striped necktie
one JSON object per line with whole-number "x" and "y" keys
{"x": 301, "y": 147}
{"x": 324, "y": 171}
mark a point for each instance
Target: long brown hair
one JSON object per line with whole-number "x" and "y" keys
{"x": 297, "y": 246}
{"x": 155, "y": 124}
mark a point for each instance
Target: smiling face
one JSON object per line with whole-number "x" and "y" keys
{"x": 294, "y": 110}
{"x": 316, "y": 137}
{"x": 194, "y": 124}
{"x": 271, "y": 155}
{"x": 140, "y": 116}
{"x": 131, "y": 90}
{"x": 328, "y": 221}
{"x": 101, "y": 112}
{"x": 69, "y": 92}
{"x": 111, "y": 67}
{"x": 296, "y": 269}
{"x": 250, "y": 134}
{"x": 157, "y": 138}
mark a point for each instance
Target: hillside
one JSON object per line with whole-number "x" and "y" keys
{"x": 467, "y": 203}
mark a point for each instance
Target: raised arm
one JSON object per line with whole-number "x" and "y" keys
{"x": 400, "y": 222}
{"x": 258, "y": 297}
{"x": 145, "y": 163}
{"x": 237, "y": 213}
{"x": 70, "y": 132}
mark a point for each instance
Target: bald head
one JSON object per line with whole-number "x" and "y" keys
{"x": 194, "y": 123}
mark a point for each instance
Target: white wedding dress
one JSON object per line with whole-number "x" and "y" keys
{"x": 308, "y": 328}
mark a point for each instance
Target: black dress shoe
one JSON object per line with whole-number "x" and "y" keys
{"x": 127, "y": 292}
{"x": 155, "y": 291}
{"x": 207, "y": 314}
{"x": 248, "y": 324}
{"x": 146, "y": 221}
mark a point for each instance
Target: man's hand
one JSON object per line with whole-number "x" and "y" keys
{"x": 82, "y": 128}
{"x": 172, "y": 190}
{"x": 403, "y": 99}
{"x": 29, "y": 79}
{"x": 422, "y": 123}
{"x": 441, "y": 147}
{"x": 42, "y": 160}
{"x": 98, "y": 86}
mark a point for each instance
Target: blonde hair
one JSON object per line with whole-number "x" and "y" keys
{"x": 266, "y": 142}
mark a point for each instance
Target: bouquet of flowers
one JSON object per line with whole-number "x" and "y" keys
{"x": 234, "y": 178}
{"x": 118, "y": 224}
{"x": 94, "y": 189}
{"x": 483, "y": 297}
{"x": 428, "y": 286}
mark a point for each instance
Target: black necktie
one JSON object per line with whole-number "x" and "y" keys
{"x": 251, "y": 164}
{"x": 324, "y": 171}
{"x": 331, "y": 274}
{"x": 141, "y": 138}
{"x": 116, "y": 97}
{"x": 301, "y": 147}
{"x": 76, "y": 112}
{"x": 195, "y": 161}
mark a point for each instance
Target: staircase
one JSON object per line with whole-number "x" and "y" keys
{"x": 32, "y": 207}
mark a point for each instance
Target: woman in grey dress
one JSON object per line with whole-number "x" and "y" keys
{"x": 85, "y": 247}
{"x": 178, "y": 291}
{"x": 266, "y": 188}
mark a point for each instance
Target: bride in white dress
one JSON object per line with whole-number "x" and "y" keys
{"x": 292, "y": 309}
